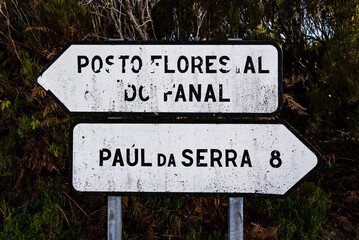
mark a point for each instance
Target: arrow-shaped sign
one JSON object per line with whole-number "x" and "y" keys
{"x": 231, "y": 158}
{"x": 232, "y": 77}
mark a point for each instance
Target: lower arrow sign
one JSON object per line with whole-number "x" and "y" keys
{"x": 182, "y": 158}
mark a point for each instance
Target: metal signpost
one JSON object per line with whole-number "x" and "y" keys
{"x": 178, "y": 157}
{"x": 235, "y": 208}
{"x": 114, "y": 218}
{"x": 235, "y": 218}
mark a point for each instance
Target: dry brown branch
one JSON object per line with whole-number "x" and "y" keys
{"x": 347, "y": 225}
{"x": 352, "y": 198}
{"x": 5, "y": 13}
{"x": 200, "y": 14}
{"x": 294, "y": 105}
{"x": 129, "y": 10}
{"x": 116, "y": 18}
{"x": 148, "y": 9}
{"x": 294, "y": 79}
{"x": 172, "y": 236}
{"x": 329, "y": 158}
{"x": 68, "y": 223}
{"x": 3, "y": 213}
{"x": 76, "y": 204}
{"x": 260, "y": 232}
{"x": 130, "y": 17}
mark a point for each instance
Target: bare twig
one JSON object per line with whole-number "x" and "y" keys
{"x": 347, "y": 159}
{"x": 116, "y": 18}
{"x": 5, "y": 13}
{"x": 150, "y": 16}
{"x": 76, "y": 204}
{"x": 130, "y": 17}
{"x": 65, "y": 218}
{"x": 294, "y": 105}
{"x": 129, "y": 13}
{"x": 3, "y": 213}
{"x": 200, "y": 17}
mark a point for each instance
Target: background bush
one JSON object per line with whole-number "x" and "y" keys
{"x": 321, "y": 96}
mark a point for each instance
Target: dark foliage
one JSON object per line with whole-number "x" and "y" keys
{"x": 320, "y": 41}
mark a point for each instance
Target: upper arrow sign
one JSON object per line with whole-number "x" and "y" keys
{"x": 225, "y": 78}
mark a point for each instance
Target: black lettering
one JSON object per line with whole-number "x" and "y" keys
{"x": 275, "y": 161}
{"x": 210, "y": 94}
{"x": 198, "y": 66}
{"x": 81, "y": 64}
{"x": 229, "y": 158}
{"x": 166, "y": 66}
{"x": 108, "y": 60}
{"x": 117, "y": 158}
{"x": 194, "y": 93}
{"x": 216, "y": 158}
{"x": 221, "y": 99}
{"x": 165, "y": 95}
{"x": 143, "y": 161}
{"x": 222, "y": 62}
{"x": 249, "y": 65}
{"x": 100, "y": 65}
{"x": 124, "y": 58}
{"x": 155, "y": 57}
{"x": 180, "y": 93}
{"x": 139, "y": 60}
{"x": 246, "y": 159}
{"x": 104, "y": 158}
{"x": 186, "y": 64}
{"x": 260, "y": 70}
{"x": 201, "y": 157}
{"x": 209, "y": 64}
{"x": 128, "y": 157}
{"x": 161, "y": 160}
{"x": 171, "y": 160}
{"x": 130, "y": 99}
{"x": 188, "y": 157}
{"x": 144, "y": 99}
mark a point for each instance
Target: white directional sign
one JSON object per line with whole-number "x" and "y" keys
{"x": 228, "y": 158}
{"x": 233, "y": 77}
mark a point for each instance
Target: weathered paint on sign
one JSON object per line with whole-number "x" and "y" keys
{"x": 233, "y": 77}
{"x": 189, "y": 158}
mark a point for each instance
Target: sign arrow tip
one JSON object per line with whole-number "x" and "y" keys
{"x": 42, "y": 82}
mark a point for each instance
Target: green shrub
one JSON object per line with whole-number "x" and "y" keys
{"x": 301, "y": 214}
{"x": 38, "y": 216}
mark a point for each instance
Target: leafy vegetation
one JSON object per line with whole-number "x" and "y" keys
{"x": 300, "y": 215}
{"x": 320, "y": 41}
